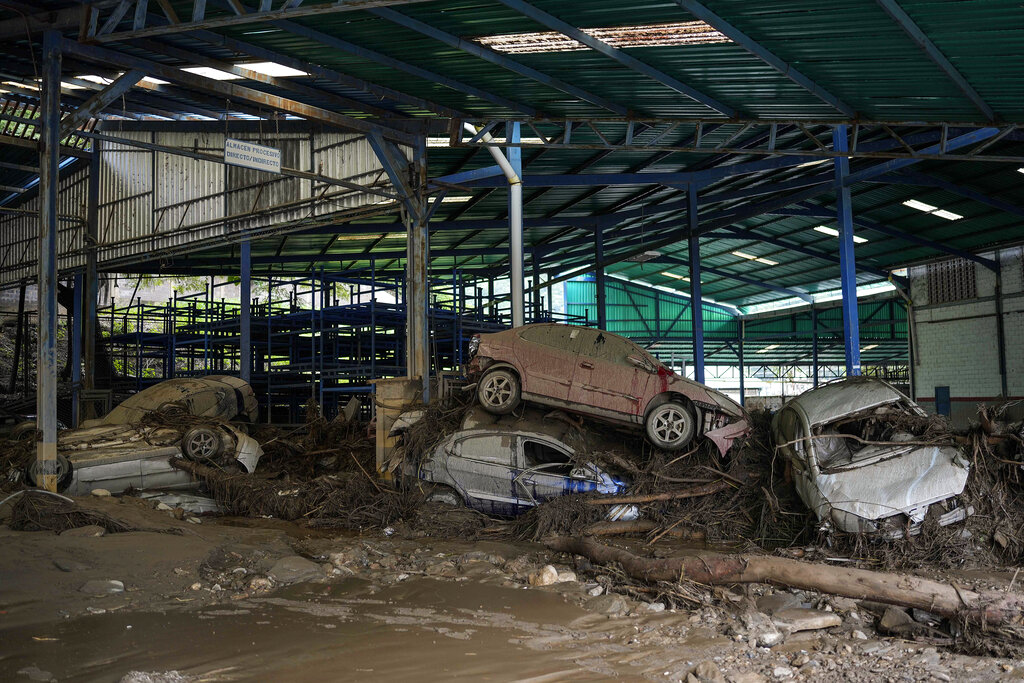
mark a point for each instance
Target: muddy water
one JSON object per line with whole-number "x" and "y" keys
{"x": 419, "y": 629}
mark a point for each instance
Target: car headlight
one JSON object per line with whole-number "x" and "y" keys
{"x": 474, "y": 345}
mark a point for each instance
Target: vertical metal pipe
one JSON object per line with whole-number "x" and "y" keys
{"x": 515, "y": 225}
{"x": 847, "y": 262}
{"x": 814, "y": 345}
{"x": 49, "y": 182}
{"x": 75, "y": 330}
{"x": 743, "y": 368}
{"x": 696, "y": 296}
{"x": 90, "y": 320}
{"x": 537, "y": 303}
{"x": 1000, "y": 332}
{"x": 19, "y": 336}
{"x": 245, "y": 314}
{"x": 600, "y": 284}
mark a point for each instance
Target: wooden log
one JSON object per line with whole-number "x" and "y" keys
{"x": 986, "y": 608}
{"x": 640, "y": 526}
{"x": 692, "y": 492}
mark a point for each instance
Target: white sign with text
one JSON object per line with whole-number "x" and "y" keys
{"x": 249, "y": 155}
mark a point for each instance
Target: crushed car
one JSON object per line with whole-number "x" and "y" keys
{"x": 127, "y": 448}
{"x": 601, "y": 375}
{"x": 502, "y": 465}
{"x": 857, "y": 463}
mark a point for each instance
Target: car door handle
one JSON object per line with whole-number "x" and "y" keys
{"x": 585, "y": 364}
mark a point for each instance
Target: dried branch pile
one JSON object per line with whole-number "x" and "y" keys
{"x": 36, "y": 511}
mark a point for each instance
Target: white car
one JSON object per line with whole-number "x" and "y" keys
{"x": 885, "y": 487}
{"x": 123, "y": 449}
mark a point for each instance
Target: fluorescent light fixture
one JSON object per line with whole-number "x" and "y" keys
{"x": 759, "y": 259}
{"x": 214, "y": 74}
{"x": 770, "y": 347}
{"x": 869, "y": 347}
{"x": 355, "y": 238}
{"x": 644, "y": 257}
{"x": 437, "y": 142}
{"x": 933, "y": 210}
{"x": 456, "y": 198}
{"x": 920, "y": 206}
{"x": 835, "y": 233}
{"x": 677, "y": 277}
{"x": 646, "y": 35}
{"x": 273, "y": 69}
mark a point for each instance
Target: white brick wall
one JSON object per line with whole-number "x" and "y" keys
{"x": 956, "y": 342}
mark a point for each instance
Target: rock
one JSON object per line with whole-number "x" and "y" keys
{"x": 611, "y": 604}
{"x": 762, "y": 630}
{"x": 67, "y": 565}
{"x": 655, "y": 607}
{"x": 782, "y": 672}
{"x": 481, "y": 556}
{"x": 102, "y": 587}
{"x": 802, "y": 619}
{"x": 260, "y": 583}
{"x": 163, "y": 507}
{"x": 88, "y": 530}
{"x": 354, "y": 556}
{"x": 1000, "y": 538}
{"x": 895, "y": 620}
{"x": 858, "y": 635}
{"x": 34, "y": 673}
{"x": 747, "y": 677}
{"x": 595, "y": 591}
{"x": 293, "y": 569}
{"x": 708, "y": 672}
{"x": 775, "y": 602}
{"x": 545, "y": 576}
{"x": 193, "y": 520}
{"x": 101, "y": 493}
{"x": 196, "y": 586}
{"x": 179, "y": 513}
{"x": 843, "y": 604}
{"x": 566, "y": 576}
{"x": 923, "y": 617}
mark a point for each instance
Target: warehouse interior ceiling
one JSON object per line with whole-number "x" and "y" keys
{"x": 741, "y": 104}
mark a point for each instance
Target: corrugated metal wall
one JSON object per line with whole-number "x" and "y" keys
{"x": 158, "y": 203}
{"x": 642, "y": 312}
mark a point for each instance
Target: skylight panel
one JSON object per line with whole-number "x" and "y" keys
{"x": 770, "y": 347}
{"x": 273, "y": 69}
{"x": 677, "y": 277}
{"x": 644, "y": 35}
{"x": 214, "y": 74}
{"x": 824, "y": 229}
{"x": 948, "y": 215}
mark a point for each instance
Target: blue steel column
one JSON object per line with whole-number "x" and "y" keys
{"x": 599, "y": 279}
{"x": 515, "y": 222}
{"x": 743, "y": 369}
{"x": 46, "y": 364}
{"x": 245, "y": 314}
{"x": 814, "y": 344}
{"x": 847, "y": 262}
{"x": 90, "y": 322}
{"x": 76, "y": 347}
{"x": 696, "y": 297}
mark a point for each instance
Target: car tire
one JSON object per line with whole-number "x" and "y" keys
{"x": 446, "y": 496}
{"x": 65, "y": 473}
{"x": 498, "y": 391}
{"x": 201, "y": 443}
{"x": 671, "y": 426}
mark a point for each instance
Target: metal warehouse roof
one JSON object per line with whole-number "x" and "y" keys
{"x": 908, "y": 77}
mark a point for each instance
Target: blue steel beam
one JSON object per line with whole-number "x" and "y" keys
{"x": 322, "y": 73}
{"x": 979, "y": 135}
{"x": 696, "y": 295}
{"x": 893, "y": 9}
{"x": 619, "y": 56}
{"x": 419, "y": 72}
{"x": 468, "y": 176}
{"x": 99, "y": 101}
{"x": 788, "y": 70}
{"x": 928, "y": 180}
{"x": 847, "y": 264}
{"x": 501, "y": 60}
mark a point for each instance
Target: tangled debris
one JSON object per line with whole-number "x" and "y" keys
{"x": 38, "y": 511}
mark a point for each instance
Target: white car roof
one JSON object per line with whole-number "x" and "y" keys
{"x": 836, "y": 399}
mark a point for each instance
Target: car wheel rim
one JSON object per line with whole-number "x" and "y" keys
{"x": 670, "y": 425}
{"x": 497, "y": 391}
{"x": 202, "y": 445}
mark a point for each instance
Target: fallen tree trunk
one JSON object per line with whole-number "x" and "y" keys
{"x": 986, "y": 608}
{"x": 693, "y": 492}
{"x": 640, "y": 526}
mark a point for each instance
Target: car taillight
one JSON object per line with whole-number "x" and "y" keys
{"x": 474, "y": 345}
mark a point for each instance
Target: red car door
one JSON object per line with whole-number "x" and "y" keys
{"x": 605, "y": 380}
{"x": 546, "y": 353}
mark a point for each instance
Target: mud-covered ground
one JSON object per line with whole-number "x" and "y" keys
{"x": 244, "y": 599}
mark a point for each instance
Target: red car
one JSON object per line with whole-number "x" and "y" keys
{"x": 602, "y": 375}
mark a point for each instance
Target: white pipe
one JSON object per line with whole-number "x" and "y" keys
{"x": 515, "y": 225}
